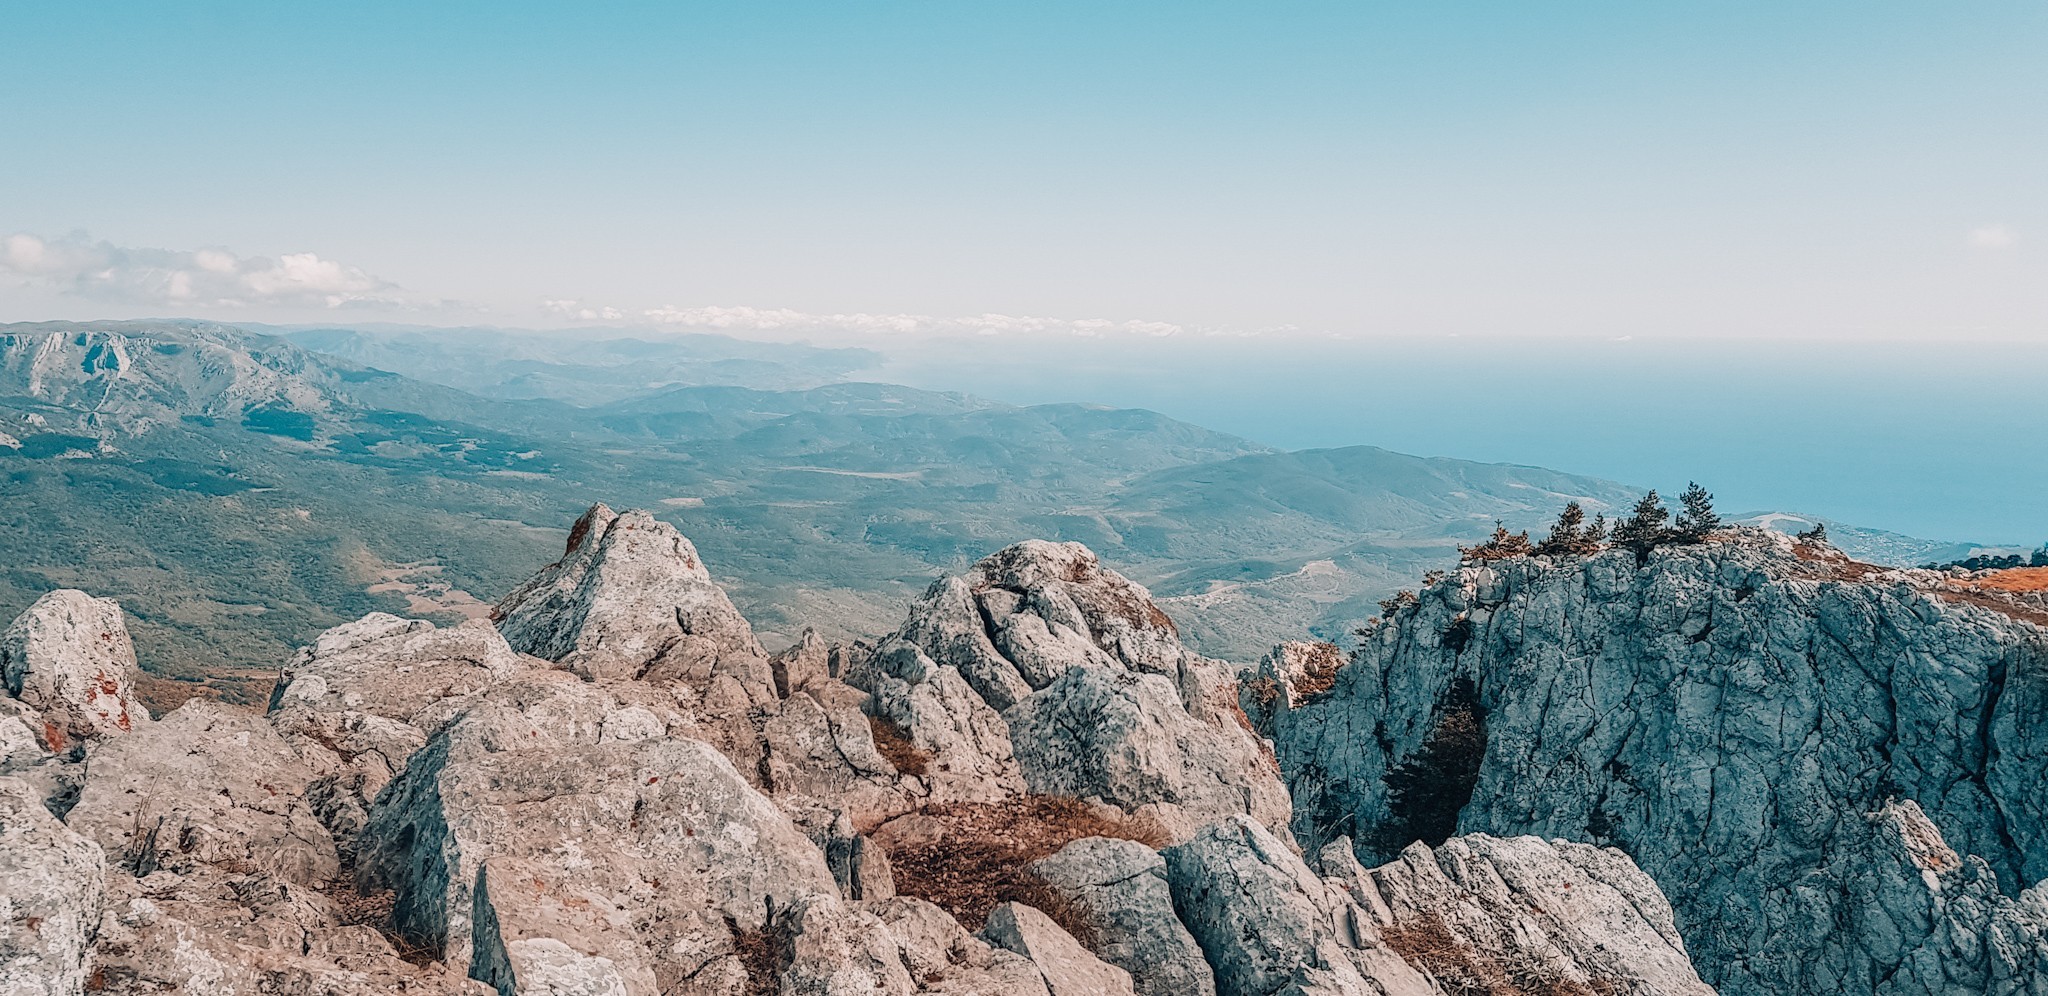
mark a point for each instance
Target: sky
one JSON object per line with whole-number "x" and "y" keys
{"x": 1340, "y": 185}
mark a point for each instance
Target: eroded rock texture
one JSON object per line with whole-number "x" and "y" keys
{"x": 615, "y": 792}
{"x": 1043, "y": 671}
{"x": 1737, "y": 716}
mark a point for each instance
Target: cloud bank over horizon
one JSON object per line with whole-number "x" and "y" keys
{"x": 99, "y": 270}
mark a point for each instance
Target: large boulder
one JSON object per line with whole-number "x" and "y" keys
{"x": 1119, "y": 888}
{"x": 1270, "y": 925}
{"x": 631, "y": 599}
{"x": 1068, "y": 968}
{"x": 69, "y": 657}
{"x": 369, "y": 693}
{"x": 207, "y": 785}
{"x": 1482, "y": 912}
{"x": 664, "y": 832}
{"x": 52, "y": 885}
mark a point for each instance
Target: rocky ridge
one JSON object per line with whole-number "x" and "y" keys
{"x": 1833, "y": 770}
{"x": 614, "y": 789}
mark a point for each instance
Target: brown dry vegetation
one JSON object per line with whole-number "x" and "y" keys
{"x": 761, "y": 955}
{"x": 1830, "y": 564}
{"x": 1427, "y": 943}
{"x": 2018, "y": 579}
{"x": 894, "y": 744}
{"x": 977, "y": 859}
{"x": 354, "y": 907}
{"x": 1319, "y": 672}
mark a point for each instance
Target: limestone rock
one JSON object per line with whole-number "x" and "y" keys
{"x": 1069, "y": 969}
{"x": 663, "y": 829}
{"x": 69, "y": 657}
{"x": 631, "y": 599}
{"x": 52, "y": 884}
{"x": 964, "y": 741}
{"x": 1549, "y": 916}
{"x": 1728, "y": 714}
{"x": 1269, "y": 925}
{"x": 944, "y": 958}
{"x": 1045, "y": 636}
{"x": 207, "y": 785}
{"x": 1120, "y": 888}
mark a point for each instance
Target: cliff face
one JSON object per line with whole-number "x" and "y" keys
{"x": 1834, "y": 772}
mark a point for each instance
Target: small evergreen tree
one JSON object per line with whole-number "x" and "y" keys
{"x": 1645, "y": 527}
{"x": 1698, "y": 519}
{"x": 1569, "y": 535}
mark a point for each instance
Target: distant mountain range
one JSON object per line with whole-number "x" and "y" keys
{"x": 239, "y": 491}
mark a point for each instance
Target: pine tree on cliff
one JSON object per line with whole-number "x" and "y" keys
{"x": 1699, "y": 517}
{"x": 1569, "y": 534}
{"x": 1645, "y": 527}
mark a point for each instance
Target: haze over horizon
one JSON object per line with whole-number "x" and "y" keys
{"x": 1570, "y": 236}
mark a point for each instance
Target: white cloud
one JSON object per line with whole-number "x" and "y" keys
{"x": 213, "y": 278}
{"x": 575, "y": 311}
{"x": 1994, "y": 237}
{"x": 785, "y": 320}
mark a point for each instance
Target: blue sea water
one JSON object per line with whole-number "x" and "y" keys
{"x": 1943, "y": 440}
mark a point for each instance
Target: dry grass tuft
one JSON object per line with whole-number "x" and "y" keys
{"x": 1427, "y": 943}
{"x": 354, "y": 907}
{"x": 893, "y": 743}
{"x": 761, "y": 954}
{"x": 977, "y": 860}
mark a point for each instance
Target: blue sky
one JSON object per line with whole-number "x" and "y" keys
{"x": 1354, "y": 184}
{"x": 1620, "y": 168}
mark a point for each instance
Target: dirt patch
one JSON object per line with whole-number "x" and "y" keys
{"x": 1825, "y": 563}
{"x": 894, "y": 744}
{"x": 969, "y": 858}
{"x": 1999, "y": 602}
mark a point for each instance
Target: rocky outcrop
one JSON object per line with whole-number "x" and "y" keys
{"x": 52, "y": 885}
{"x": 631, "y": 599}
{"x": 1080, "y": 688}
{"x": 68, "y": 656}
{"x": 614, "y": 792}
{"x": 1732, "y": 715}
{"x": 206, "y": 786}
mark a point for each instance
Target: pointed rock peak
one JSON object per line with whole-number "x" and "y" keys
{"x": 1068, "y": 588}
{"x": 591, "y": 524}
{"x": 69, "y": 656}
{"x": 630, "y": 598}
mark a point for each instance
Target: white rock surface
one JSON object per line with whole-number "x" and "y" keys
{"x": 1119, "y": 887}
{"x": 631, "y": 599}
{"x": 52, "y": 885}
{"x": 1069, "y": 969}
{"x": 69, "y": 657}
{"x": 1084, "y": 677}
